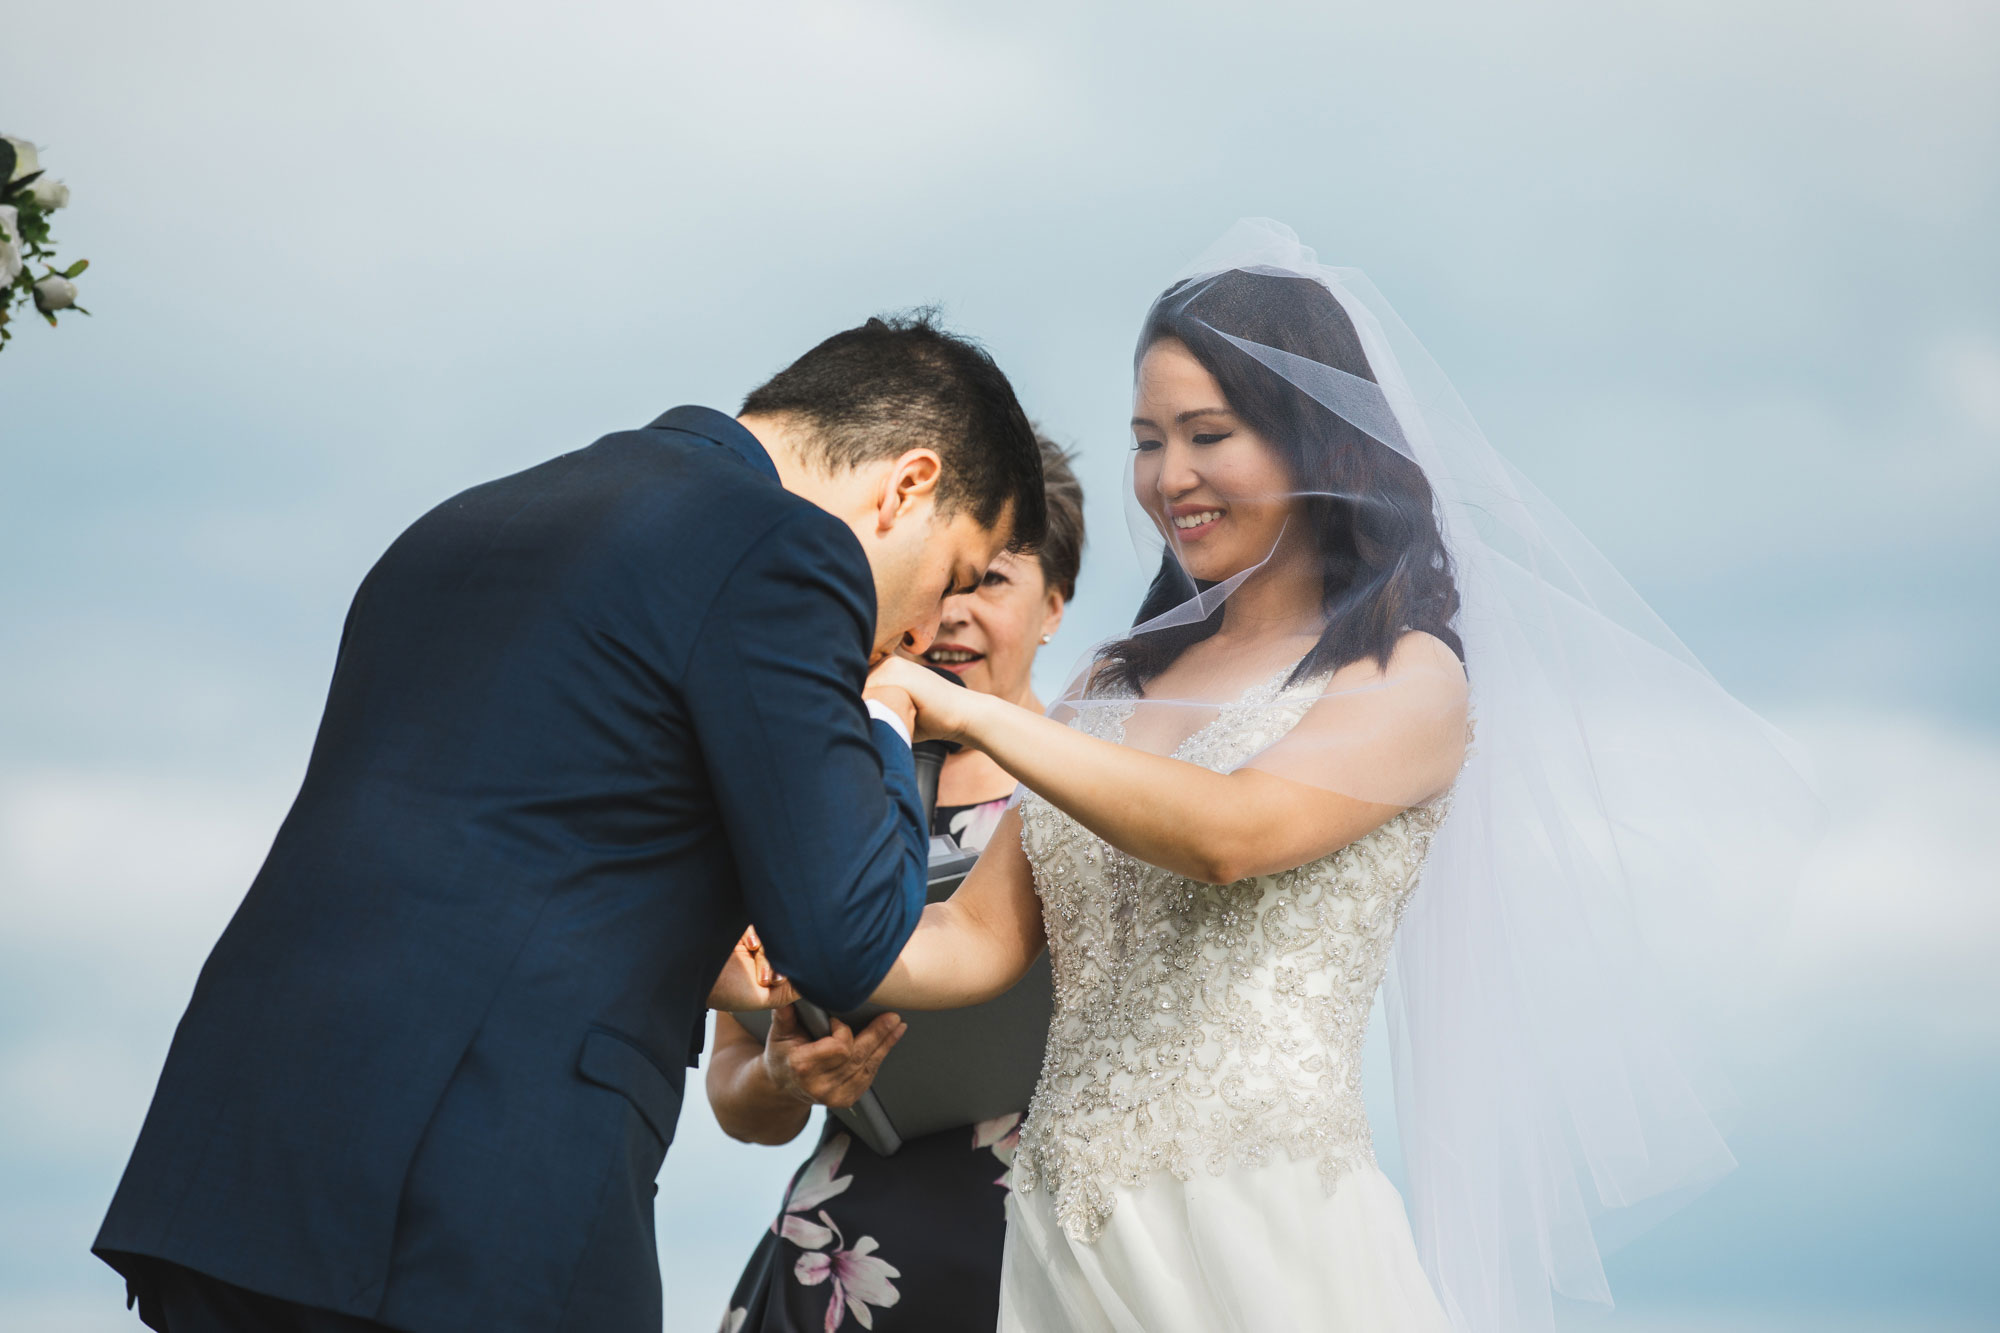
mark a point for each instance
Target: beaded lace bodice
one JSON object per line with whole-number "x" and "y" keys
{"x": 1199, "y": 1025}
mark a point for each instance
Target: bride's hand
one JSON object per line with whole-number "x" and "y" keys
{"x": 748, "y": 981}
{"x": 944, "y": 710}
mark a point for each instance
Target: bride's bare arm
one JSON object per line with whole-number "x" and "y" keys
{"x": 1221, "y": 827}
{"x": 977, "y": 943}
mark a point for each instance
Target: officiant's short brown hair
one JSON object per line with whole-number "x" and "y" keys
{"x": 1061, "y": 549}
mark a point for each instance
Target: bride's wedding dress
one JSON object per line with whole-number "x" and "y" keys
{"x": 1197, "y": 1157}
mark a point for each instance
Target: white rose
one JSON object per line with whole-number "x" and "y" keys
{"x": 56, "y": 293}
{"x": 26, "y": 159}
{"x": 49, "y": 194}
{"x": 10, "y": 244}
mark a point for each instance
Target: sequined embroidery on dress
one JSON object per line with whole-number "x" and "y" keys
{"x": 1198, "y": 1025}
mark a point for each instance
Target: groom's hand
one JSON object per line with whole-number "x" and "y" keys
{"x": 748, "y": 981}
{"x": 833, "y": 1071}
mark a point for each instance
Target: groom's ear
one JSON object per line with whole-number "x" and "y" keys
{"x": 909, "y": 486}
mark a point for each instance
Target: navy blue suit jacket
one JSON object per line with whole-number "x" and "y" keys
{"x": 586, "y": 722}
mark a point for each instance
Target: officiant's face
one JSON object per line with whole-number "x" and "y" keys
{"x": 988, "y": 637}
{"x": 1214, "y": 487}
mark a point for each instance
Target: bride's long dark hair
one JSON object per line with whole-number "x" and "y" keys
{"x": 1371, "y": 512}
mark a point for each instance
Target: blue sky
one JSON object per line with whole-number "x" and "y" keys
{"x": 1718, "y": 276}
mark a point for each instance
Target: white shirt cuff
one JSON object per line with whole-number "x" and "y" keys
{"x": 881, "y": 712}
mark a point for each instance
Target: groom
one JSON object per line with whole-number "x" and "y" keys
{"x": 586, "y": 722}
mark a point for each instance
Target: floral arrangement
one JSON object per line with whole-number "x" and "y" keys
{"x": 27, "y": 198}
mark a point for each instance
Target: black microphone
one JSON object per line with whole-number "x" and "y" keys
{"x": 930, "y": 757}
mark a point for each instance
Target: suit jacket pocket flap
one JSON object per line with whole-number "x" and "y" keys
{"x": 610, "y": 1061}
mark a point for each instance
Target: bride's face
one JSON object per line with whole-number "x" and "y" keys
{"x": 1212, "y": 485}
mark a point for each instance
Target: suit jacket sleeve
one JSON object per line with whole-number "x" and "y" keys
{"x": 818, "y": 801}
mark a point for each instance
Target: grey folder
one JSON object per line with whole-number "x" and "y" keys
{"x": 954, "y": 1066}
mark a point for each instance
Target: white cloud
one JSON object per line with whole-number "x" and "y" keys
{"x": 1808, "y": 1321}
{"x": 102, "y": 1312}
{"x": 73, "y": 1092}
{"x": 114, "y": 887}
{"x": 1967, "y": 369}
{"x": 1899, "y": 915}
{"x": 128, "y": 866}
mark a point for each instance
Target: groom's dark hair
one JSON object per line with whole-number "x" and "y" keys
{"x": 899, "y": 382}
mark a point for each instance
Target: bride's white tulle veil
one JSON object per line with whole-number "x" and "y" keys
{"x": 1620, "y": 848}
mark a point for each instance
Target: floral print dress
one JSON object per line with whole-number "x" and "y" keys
{"x": 903, "y": 1244}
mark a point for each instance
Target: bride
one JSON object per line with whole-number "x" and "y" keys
{"x": 1233, "y": 809}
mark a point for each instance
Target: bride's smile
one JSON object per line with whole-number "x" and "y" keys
{"x": 1192, "y": 522}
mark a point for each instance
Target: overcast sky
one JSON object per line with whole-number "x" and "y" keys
{"x": 1719, "y": 276}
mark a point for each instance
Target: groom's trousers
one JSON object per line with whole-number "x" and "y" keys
{"x": 174, "y": 1299}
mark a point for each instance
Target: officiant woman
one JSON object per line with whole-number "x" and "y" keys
{"x": 913, "y": 1239}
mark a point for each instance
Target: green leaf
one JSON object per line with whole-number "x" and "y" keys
{"x": 76, "y": 268}
{"x": 7, "y": 157}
